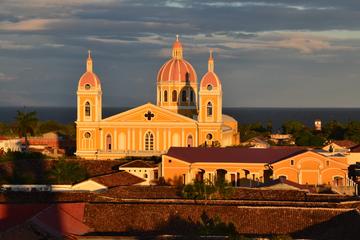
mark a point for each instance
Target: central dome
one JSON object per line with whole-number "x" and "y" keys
{"x": 177, "y": 69}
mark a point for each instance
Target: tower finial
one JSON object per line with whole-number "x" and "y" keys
{"x": 211, "y": 61}
{"x": 177, "y": 48}
{"x": 89, "y": 62}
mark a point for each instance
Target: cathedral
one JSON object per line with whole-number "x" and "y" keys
{"x": 186, "y": 114}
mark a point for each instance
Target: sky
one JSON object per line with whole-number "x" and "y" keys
{"x": 268, "y": 53}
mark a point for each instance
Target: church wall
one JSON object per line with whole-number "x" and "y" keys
{"x": 310, "y": 168}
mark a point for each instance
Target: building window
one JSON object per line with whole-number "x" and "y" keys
{"x": 87, "y": 135}
{"x": 209, "y": 136}
{"x": 292, "y": 162}
{"x": 165, "y": 96}
{"x": 108, "y": 142}
{"x": 183, "y": 95}
{"x": 327, "y": 162}
{"x": 149, "y": 141}
{"x": 174, "y": 96}
{"x": 209, "y": 87}
{"x": 209, "y": 109}
{"x": 189, "y": 141}
{"x": 87, "y": 86}
{"x": 169, "y": 161}
{"x": 145, "y": 176}
{"x": 191, "y": 96}
{"x": 87, "y": 109}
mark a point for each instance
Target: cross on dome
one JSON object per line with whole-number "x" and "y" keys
{"x": 211, "y": 61}
{"x": 89, "y": 62}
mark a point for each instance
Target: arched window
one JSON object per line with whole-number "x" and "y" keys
{"x": 149, "y": 141}
{"x": 191, "y": 96}
{"x": 108, "y": 142}
{"x": 189, "y": 141}
{"x": 165, "y": 96}
{"x": 183, "y": 95}
{"x": 209, "y": 109}
{"x": 174, "y": 96}
{"x": 87, "y": 109}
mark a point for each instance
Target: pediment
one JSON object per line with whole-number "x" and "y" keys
{"x": 148, "y": 113}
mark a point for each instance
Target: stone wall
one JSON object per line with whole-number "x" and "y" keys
{"x": 183, "y": 219}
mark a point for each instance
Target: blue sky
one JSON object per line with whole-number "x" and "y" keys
{"x": 267, "y": 53}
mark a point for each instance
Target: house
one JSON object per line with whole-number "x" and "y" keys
{"x": 94, "y": 184}
{"x": 106, "y": 181}
{"x": 282, "y": 139}
{"x": 9, "y": 144}
{"x": 282, "y": 183}
{"x": 339, "y": 146}
{"x": 142, "y": 169}
{"x": 234, "y": 164}
{"x": 256, "y": 142}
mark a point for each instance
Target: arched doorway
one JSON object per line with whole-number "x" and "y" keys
{"x": 108, "y": 143}
{"x": 221, "y": 175}
{"x": 189, "y": 142}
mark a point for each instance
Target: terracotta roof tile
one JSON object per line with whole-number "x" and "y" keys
{"x": 344, "y": 143}
{"x": 138, "y": 164}
{"x": 232, "y": 154}
{"x": 117, "y": 179}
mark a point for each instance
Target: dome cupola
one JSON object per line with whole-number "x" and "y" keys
{"x": 177, "y": 69}
{"x": 210, "y": 80}
{"x": 89, "y": 80}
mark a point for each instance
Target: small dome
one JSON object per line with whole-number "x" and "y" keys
{"x": 89, "y": 79}
{"x": 177, "y": 69}
{"x": 210, "y": 78}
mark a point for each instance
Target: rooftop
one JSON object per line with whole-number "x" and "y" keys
{"x": 232, "y": 154}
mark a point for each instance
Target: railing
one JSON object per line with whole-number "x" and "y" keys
{"x": 348, "y": 188}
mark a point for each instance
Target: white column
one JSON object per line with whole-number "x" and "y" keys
{"x": 128, "y": 147}
{"x": 157, "y": 140}
{"x": 140, "y": 140}
{"x": 165, "y": 140}
{"x": 133, "y": 139}
{"x": 101, "y": 140}
{"x": 182, "y": 137}
{"x": 115, "y": 140}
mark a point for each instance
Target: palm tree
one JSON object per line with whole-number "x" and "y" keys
{"x": 25, "y": 124}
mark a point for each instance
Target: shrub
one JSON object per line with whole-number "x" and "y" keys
{"x": 67, "y": 172}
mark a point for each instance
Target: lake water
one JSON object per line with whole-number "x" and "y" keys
{"x": 242, "y": 115}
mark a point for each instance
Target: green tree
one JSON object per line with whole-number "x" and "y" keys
{"x": 67, "y": 172}
{"x": 293, "y": 127}
{"x": 25, "y": 124}
{"x": 352, "y": 131}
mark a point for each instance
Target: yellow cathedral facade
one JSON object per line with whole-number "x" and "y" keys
{"x": 186, "y": 114}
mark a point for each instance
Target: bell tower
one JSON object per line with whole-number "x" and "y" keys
{"x": 89, "y": 95}
{"x": 210, "y": 96}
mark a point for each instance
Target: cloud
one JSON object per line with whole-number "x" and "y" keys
{"x": 266, "y": 4}
{"x": 6, "y": 78}
{"x": 10, "y": 45}
{"x": 27, "y": 25}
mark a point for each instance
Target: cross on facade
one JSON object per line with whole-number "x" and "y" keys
{"x": 149, "y": 115}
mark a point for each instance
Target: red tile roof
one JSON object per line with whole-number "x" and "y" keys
{"x": 232, "y": 154}
{"x": 344, "y": 143}
{"x": 138, "y": 164}
{"x": 117, "y": 179}
{"x": 355, "y": 148}
{"x": 287, "y": 182}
